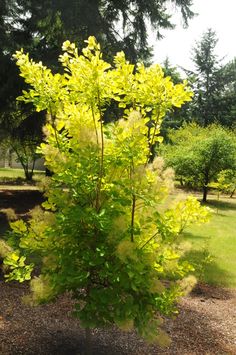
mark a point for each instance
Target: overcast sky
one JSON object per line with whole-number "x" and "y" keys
{"x": 216, "y": 14}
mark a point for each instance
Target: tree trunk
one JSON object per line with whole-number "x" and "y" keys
{"x": 205, "y": 186}
{"x": 232, "y": 193}
{"x": 205, "y": 191}
{"x": 28, "y": 174}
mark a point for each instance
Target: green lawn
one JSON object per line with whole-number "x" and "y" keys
{"x": 16, "y": 176}
{"x": 214, "y": 244}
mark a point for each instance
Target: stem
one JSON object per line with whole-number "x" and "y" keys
{"x": 94, "y": 122}
{"x": 101, "y": 172}
{"x": 133, "y": 202}
{"x": 54, "y": 127}
{"x": 154, "y": 235}
{"x": 88, "y": 334}
{"x": 132, "y": 217}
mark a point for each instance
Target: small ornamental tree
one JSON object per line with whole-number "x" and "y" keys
{"x": 225, "y": 182}
{"x": 99, "y": 234}
{"x": 199, "y": 154}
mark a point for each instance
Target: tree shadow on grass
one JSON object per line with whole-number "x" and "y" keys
{"x": 221, "y": 205}
{"x": 207, "y": 269}
{"x": 190, "y": 236}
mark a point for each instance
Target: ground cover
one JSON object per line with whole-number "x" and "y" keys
{"x": 205, "y": 325}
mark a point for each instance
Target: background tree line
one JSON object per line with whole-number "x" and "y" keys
{"x": 41, "y": 27}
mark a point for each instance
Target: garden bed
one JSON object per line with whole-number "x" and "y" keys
{"x": 206, "y": 324}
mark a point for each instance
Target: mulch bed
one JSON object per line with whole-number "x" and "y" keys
{"x": 206, "y": 323}
{"x": 21, "y": 201}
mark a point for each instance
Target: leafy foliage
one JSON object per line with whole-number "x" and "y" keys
{"x": 41, "y": 26}
{"x": 199, "y": 154}
{"x": 46, "y": 24}
{"x": 225, "y": 182}
{"x": 99, "y": 234}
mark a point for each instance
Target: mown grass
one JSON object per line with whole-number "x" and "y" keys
{"x": 16, "y": 178}
{"x": 214, "y": 244}
{"x": 213, "y": 251}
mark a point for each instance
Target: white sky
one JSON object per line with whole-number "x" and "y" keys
{"x": 178, "y": 43}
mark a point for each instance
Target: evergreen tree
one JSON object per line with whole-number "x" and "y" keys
{"x": 212, "y": 101}
{"x": 229, "y": 97}
{"x": 206, "y": 83}
{"x": 117, "y": 24}
{"x": 175, "y": 118}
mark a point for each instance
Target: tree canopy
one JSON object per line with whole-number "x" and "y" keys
{"x": 117, "y": 24}
{"x": 199, "y": 154}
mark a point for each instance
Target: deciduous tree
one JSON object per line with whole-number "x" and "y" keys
{"x": 199, "y": 154}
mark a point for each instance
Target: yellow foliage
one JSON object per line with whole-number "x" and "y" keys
{"x": 41, "y": 291}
